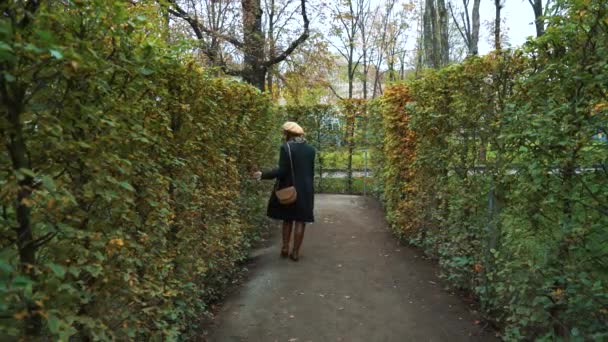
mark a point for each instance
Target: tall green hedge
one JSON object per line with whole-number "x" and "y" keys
{"x": 125, "y": 196}
{"x": 498, "y": 168}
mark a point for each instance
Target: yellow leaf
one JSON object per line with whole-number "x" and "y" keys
{"x": 116, "y": 242}
{"x": 27, "y": 202}
{"x": 558, "y": 293}
{"x": 20, "y": 315}
{"x": 51, "y": 204}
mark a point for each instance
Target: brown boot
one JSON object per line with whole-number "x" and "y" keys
{"x": 286, "y": 238}
{"x": 298, "y": 236}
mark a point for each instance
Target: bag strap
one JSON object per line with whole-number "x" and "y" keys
{"x": 293, "y": 174}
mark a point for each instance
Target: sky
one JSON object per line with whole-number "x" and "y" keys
{"x": 520, "y": 22}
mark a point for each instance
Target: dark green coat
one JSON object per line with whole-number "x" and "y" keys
{"x": 303, "y": 156}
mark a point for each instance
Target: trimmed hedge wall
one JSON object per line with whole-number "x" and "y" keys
{"x": 497, "y": 167}
{"x": 126, "y": 201}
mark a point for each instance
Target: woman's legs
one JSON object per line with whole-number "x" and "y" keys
{"x": 286, "y": 237}
{"x": 298, "y": 236}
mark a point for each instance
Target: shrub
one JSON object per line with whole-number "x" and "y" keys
{"x": 125, "y": 195}
{"x": 494, "y": 167}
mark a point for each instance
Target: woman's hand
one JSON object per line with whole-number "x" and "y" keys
{"x": 257, "y": 175}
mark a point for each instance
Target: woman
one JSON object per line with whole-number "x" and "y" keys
{"x": 301, "y": 212}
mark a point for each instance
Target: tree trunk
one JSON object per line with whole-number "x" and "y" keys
{"x": 252, "y": 44}
{"x": 351, "y": 151}
{"x": 429, "y": 52}
{"x": 320, "y": 116}
{"x": 12, "y": 100}
{"x": 351, "y": 72}
{"x": 497, "y": 20}
{"x": 214, "y": 47}
{"x": 254, "y": 71}
{"x": 271, "y": 47}
{"x": 365, "y": 65}
{"x": 537, "y": 6}
{"x": 26, "y": 245}
{"x": 474, "y": 43}
{"x": 442, "y": 31}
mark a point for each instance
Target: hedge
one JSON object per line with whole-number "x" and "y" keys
{"x": 126, "y": 201}
{"x": 497, "y": 167}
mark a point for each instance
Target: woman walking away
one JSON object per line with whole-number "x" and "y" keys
{"x": 292, "y": 199}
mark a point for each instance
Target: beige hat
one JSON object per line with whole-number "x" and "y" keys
{"x": 293, "y": 128}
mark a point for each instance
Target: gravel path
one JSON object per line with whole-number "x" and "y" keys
{"x": 354, "y": 282}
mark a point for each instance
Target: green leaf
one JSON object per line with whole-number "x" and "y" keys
{"x": 8, "y": 77}
{"x": 53, "y": 324}
{"x": 27, "y": 172}
{"x": 145, "y": 71}
{"x": 126, "y": 185}
{"x": 5, "y": 267}
{"x": 48, "y": 183}
{"x": 56, "y": 54}
{"x": 5, "y": 47}
{"x": 75, "y": 271}
{"x": 58, "y": 270}
{"x": 33, "y": 48}
{"x": 22, "y": 281}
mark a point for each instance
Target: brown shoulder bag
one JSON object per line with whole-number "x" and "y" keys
{"x": 289, "y": 194}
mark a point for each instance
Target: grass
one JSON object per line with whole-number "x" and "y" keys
{"x": 339, "y": 186}
{"x": 339, "y": 159}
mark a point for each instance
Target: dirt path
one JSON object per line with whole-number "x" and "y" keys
{"x": 353, "y": 283}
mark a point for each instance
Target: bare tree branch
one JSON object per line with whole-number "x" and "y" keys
{"x": 335, "y": 92}
{"x": 198, "y": 27}
{"x": 462, "y": 34}
{"x": 294, "y": 45}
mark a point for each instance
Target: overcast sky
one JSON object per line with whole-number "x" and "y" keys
{"x": 520, "y": 22}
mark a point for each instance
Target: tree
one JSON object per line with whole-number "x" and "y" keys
{"x": 443, "y": 32}
{"x": 435, "y": 34}
{"x": 550, "y": 7}
{"x": 302, "y": 78}
{"x": 365, "y": 26}
{"x": 279, "y": 21}
{"x": 347, "y": 15}
{"x": 15, "y": 92}
{"x": 498, "y": 5}
{"x": 468, "y": 26}
{"x": 429, "y": 36}
{"x": 394, "y": 25}
{"x": 251, "y": 43}
{"x": 537, "y": 6}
